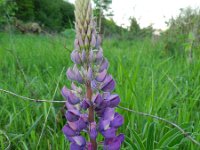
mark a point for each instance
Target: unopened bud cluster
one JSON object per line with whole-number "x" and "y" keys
{"x": 90, "y": 70}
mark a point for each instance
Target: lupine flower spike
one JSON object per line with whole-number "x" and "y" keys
{"x": 90, "y": 104}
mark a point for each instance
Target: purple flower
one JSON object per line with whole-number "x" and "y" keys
{"x": 70, "y": 96}
{"x": 93, "y": 41}
{"x": 97, "y": 99}
{"x": 75, "y": 88}
{"x": 117, "y": 121}
{"x": 99, "y": 56}
{"x": 104, "y": 125}
{"x": 99, "y": 112}
{"x": 109, "y": 114}
{"x": 83, "y": 56}
{"x": 77, "y": 75}
{"x": 104, "y": 65}
{"x": 113, "y": 100}
{"x": 74, "y": 146}
{"x": 79, "y": 141}
{"x": 89, "y": 146}
{"x": 78, "y": 125}
{"x": 70, "y": 74}
{"x": 90, "y": 103}
{"x": 109, "y": 133}
{"x": 68, "y": 131}
{"x": 89, "y": 74}
{"x": 75, "y": 57}
{"x": 91, "y": 56}
{"x": 94, "y": 84}
{"x": 93, "y": 131}
{"x": 108, "y": 84}
{"x": 73, "y": 115}
{"x": 101, "y": 76}
{"x": 98, "y": 43}
{"x": 85, "y": 104}
{"x": 76, "y": 44}
{"x": 74, "y": 74}
{"x": 69, "y": 106}
{"x": 113, "y": 143}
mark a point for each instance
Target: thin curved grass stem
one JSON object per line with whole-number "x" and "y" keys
{"x": 29, "y": 99}
{"x": 164, "y": 120}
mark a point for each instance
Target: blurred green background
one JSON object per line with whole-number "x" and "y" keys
{"x": 155, "y": 73}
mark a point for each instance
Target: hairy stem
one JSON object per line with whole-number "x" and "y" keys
{"x": 91, "y": 112}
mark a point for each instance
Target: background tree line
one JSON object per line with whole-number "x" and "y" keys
{"x": 58, "y": 15}
{"x": 54, "y": 15}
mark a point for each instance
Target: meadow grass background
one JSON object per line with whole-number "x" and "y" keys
{"x": 148, "y": 80}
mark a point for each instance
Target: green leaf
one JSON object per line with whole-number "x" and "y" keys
{"x": 151, "y": 137}
{"x": 34, "y": 125}
{"x": 130, "y": 143}
{"x": 167, "y": 138}
{"x": 138, "y": 140}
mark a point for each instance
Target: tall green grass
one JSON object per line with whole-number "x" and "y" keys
{"x": 147, "y": 81}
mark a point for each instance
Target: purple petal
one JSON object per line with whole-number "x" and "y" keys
{"x": 89, "y": 74}
{"x": 97, "y": 99}
{"x": 89, "y": 146}
{"x": 78, "y": 125}
{"x": 108, "y": 84}
{"x": 68, "y": 131}
{"x": 75, "y": 88}
{"x": 98, "y": 43}
{"x": 78, "y": 76}
{"x": 85, "y": 104}
{"x": 69, "y": 106}
{"x": 82, "y": 124}
{"x": 70, "y": 96}
{"x": 99, "y": 56}
{"x": 76, "y": 44}
{"x": 112, "y": 144}
{"x": 114, "y": 100}
{"x": 79, "y": 140}
{"x": 83, "y": 56}
{"x": 92, "y": 130}
{"x": 94, "y": 84}
{"x": 75, "y": 57}
{"x": 73, "y": 125}
{"x": 117, "y": 121}
{"x": 109, "y": 114}
{"x": 74, "y": 146}
{"x": 80, "y": 41}
{"x": 105, "y": 95}
{"x": 104, "y": 104}
{"x": 65, "y": 92}
{"x": 70, "y": 74}
{"x": 72, "y": 115}
{"x": 101, "y": 76}
{"x": 120, "y": 137}
{"x": 91, "y": 56}
{"x": 93, "y": 41}
{"x": 104, "y": 65}
{"x": 109, "y": 133}
{"x": 84, "y": 117}
{"x": 100, "y": 111}
{"x": 73, "y": 99}
{"x": 104, "y": 125}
